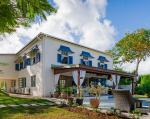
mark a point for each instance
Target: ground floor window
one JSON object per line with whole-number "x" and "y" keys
{"x": 62, "y": 83}
{"x": 22, "y": 82}
{"x": 13, "y": 83}
{"x": 33, "y": 81}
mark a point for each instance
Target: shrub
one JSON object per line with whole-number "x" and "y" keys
{"x": 139, "y": 90}
{"x": 143, "y": 87}
{"x": 125, "y": 81}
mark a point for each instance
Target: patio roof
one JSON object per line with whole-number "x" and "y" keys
{"x": 68, "y": 68}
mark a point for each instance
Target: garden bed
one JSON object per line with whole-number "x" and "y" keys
{"x": 94, "y": 114}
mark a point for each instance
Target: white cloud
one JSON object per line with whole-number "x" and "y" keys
{"x": 84, "y": 19}
{"x": 144, "y": 67}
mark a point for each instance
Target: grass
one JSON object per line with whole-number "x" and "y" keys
{"x": 140, "y": 96}
{"x": 40, "y": 112}
{"x": 43, "y": 112}
{"x": 6, "y": 100}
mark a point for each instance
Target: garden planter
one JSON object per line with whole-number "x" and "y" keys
{"x": 79, "y": 101}
{"x": 56, "y": 95}
{"x": 109, "y": 91}
{"x": 70, "y": 101}
{"x": 64, "y": 95}
{"x": 94, "y": 103}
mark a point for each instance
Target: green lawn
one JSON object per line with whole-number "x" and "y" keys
{"x": 140, "y": 96}
{"x": 6, "y": 100}
{"x": 43, "y": 112}
{"x": 40, "y": 112}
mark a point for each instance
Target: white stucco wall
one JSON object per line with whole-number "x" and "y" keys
{"x": 50, "y": 57}
{"x": 35, "y": 69}
{"x": 7, "y": 66}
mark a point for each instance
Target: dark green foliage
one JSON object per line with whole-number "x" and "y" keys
{"x": 145, "y": 79}
{"x": 14, "y": 13}
{"x": 139, "y": 90}
{"x": 143, "y": 87}
{"x": 125, "y": 81}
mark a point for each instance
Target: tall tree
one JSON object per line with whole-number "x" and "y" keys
{"x": 133, "y": 47}
{"x": 14, "y": 13}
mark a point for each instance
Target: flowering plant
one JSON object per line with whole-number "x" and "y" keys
{"x": 96, "y": 90}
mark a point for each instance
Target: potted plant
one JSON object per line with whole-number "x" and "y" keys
{"x": 63, "y": 93}
{"x": 57, "y": 92}
{"x": 33, "y": 52}
{"x": 96, "y": 90}
{"x": 19, "y": 59}
{"x": 69, "y": 95}
{"x": 79, "y": 100}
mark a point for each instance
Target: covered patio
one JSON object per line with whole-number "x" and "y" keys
{"x": 82, "y": 77}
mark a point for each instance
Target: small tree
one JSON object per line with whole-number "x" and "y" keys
{"x": 134, "y": 47}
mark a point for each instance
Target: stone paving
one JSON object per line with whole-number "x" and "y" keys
{"x": 1, "y": 106}
{"x": 27, "y": 105}
{"x": 12, "y": 105}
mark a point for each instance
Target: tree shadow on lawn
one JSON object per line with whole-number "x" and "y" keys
{"x": 11, "y": 111}
{"x": 6, "y": 100}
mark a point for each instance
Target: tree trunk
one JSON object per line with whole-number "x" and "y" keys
{"x": 137, "y": 66}
{"x": 136, "y": 73}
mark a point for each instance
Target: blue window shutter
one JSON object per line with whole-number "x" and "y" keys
{"x": 59, "y": 58}
{"x": 24, "y": 63}
{"x": 38, "y": 57}
{"x": 17, "y": 67}
{"x": 21, "y": 65}
{"x": 90, "y": 63}
{"x": 34, "y": 60}
{"x": 81, "y": 61}
{"x": 70, "y": 60}
{"x": 99, "y": 65}
{"x": 28, "y": 61}
{"x": 105, "y": 66}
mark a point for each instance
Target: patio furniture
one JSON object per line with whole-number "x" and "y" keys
{"x": 125, "y": 102}
{"x": 145, "y": 108}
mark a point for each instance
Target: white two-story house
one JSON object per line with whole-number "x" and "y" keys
{"x": 47, "y": 61}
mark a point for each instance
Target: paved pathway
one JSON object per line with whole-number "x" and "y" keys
{"x": 28, "y": 105}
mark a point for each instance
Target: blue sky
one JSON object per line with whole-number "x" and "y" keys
{"x": 128, "y": 15}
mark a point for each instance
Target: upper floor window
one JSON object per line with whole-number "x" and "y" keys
{"x": 22, "y": 63}
{"x": 102, "y": 62}
{"x": 86, "y": 58}
{"x": 102, "y": 65}
{"x": 64, "y": 55}
{"x": 35, "y": 55}
{"x": 17, "y": 66}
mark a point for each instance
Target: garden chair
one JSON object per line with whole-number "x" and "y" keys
{"x": 125, "y": 102}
